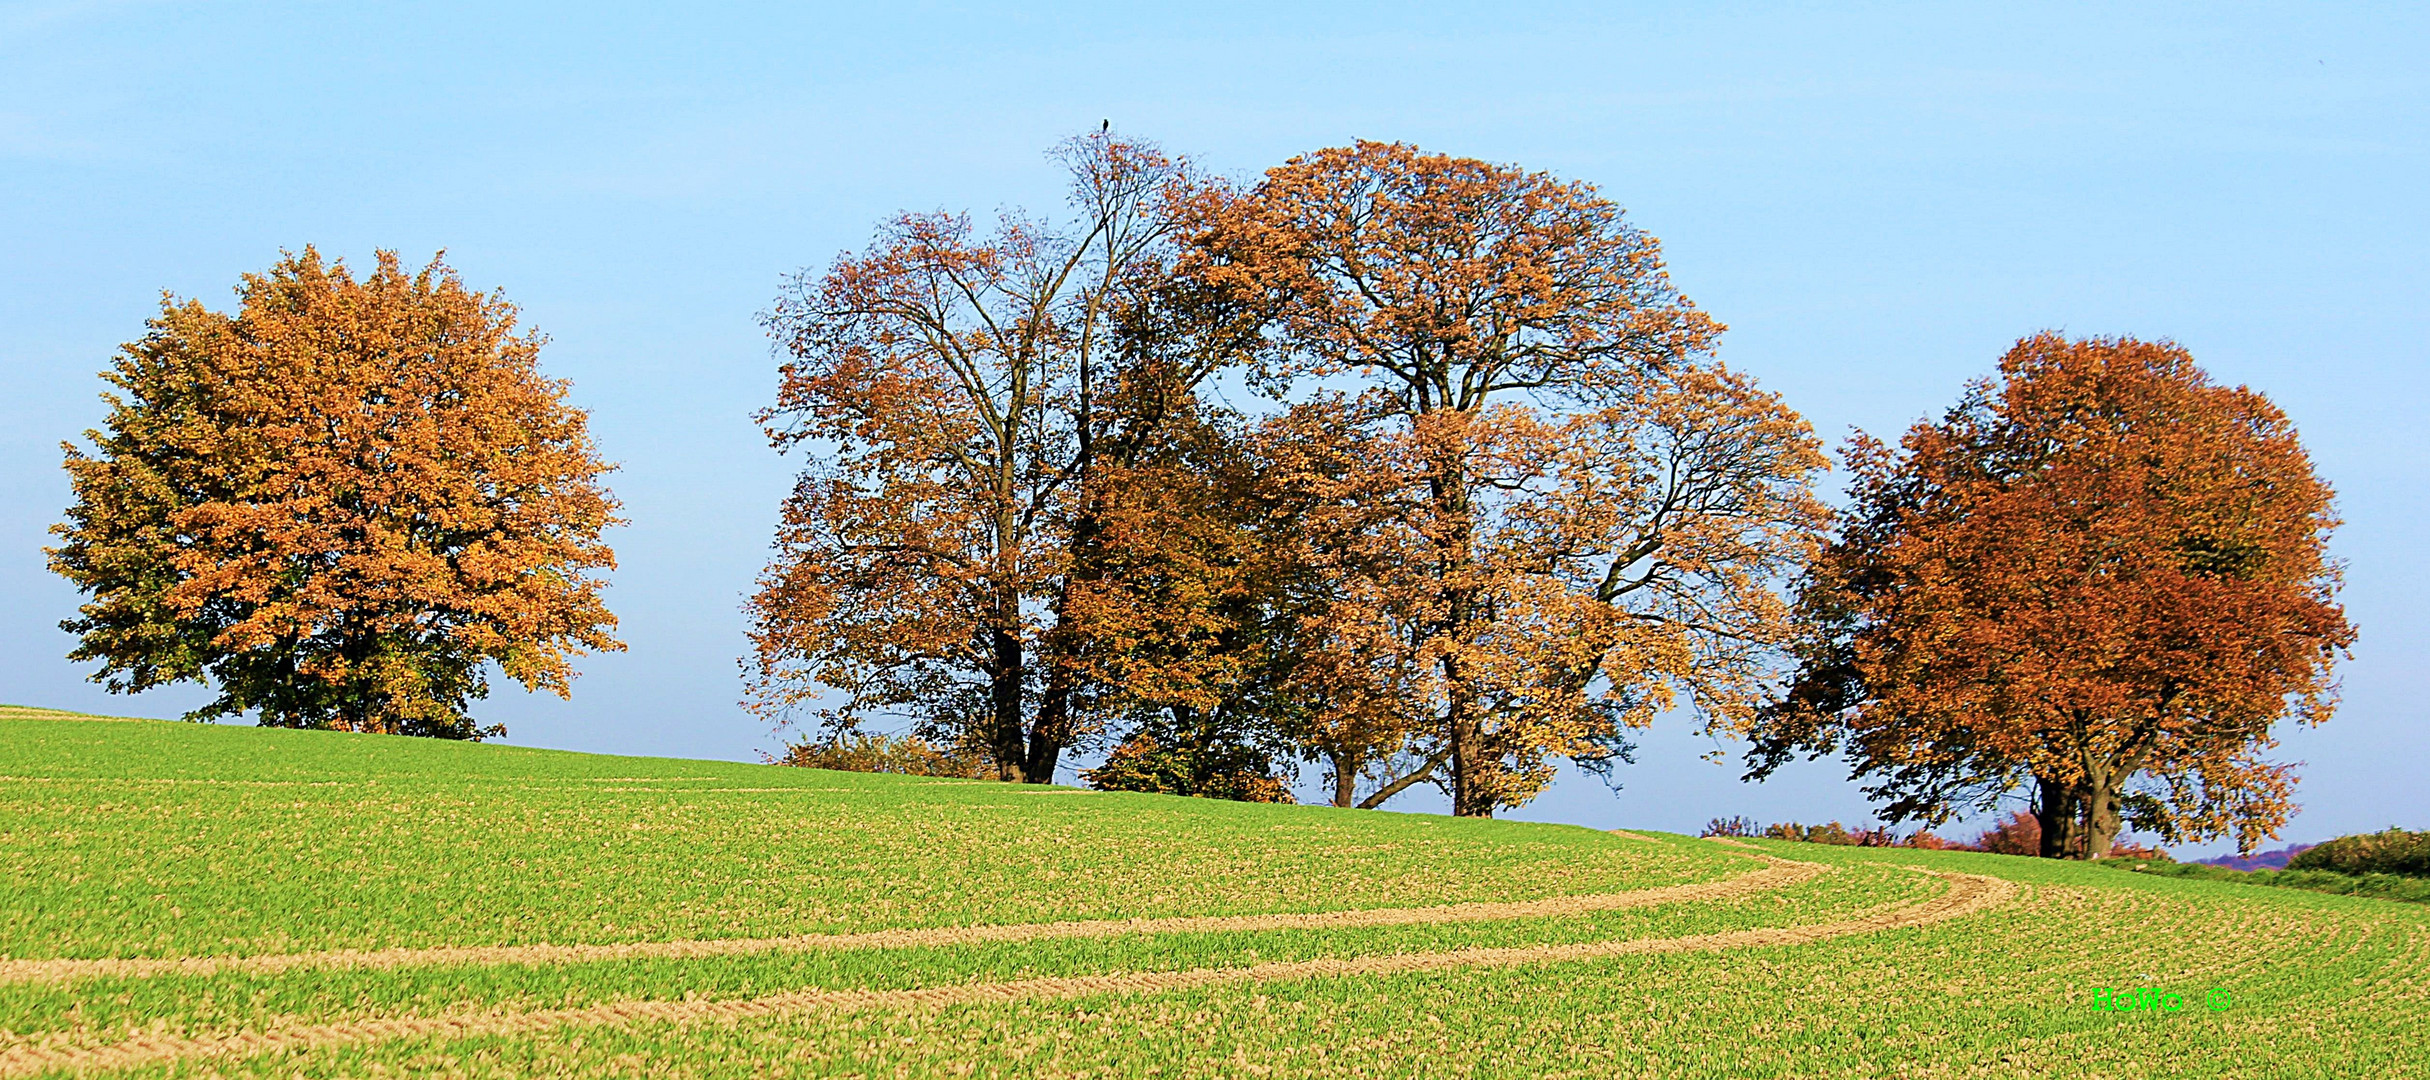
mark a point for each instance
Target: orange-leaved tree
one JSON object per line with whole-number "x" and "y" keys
{"x": 1598, "y": 509}
{"x": 1171, "y": 617}
{"x": 1239, "y": 613}
{"x": 339, "y": 505}
{"x": 1358, "y": 600}
{"x": 950, "y": 388}
{"x": 2103, "y": 574}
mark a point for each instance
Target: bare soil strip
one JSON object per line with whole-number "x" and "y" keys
{"x": 1781, "y": 873}
{"x": 1967, "y": 894}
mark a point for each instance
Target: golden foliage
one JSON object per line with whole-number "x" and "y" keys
{"x": 1587, "y": 512}
{"x": 338, "y": 504}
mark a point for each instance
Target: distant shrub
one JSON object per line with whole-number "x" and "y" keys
{"x": 2016, "y": 834}
{"x": 1144, "y": 762}
{"x": 2401, "y": 887}
{"x": 907, "y": 755}
{"x": 2122, "y": 849}
{"x": 1741, "y": 825}
{"x": 1836, "y": 833}
{"x": 2391, "y": 851}
{"x": 1833, "y": 833}
{"x": 2020, "y": 834}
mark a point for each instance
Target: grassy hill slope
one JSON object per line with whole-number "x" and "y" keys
{"x": 194, "y": 900}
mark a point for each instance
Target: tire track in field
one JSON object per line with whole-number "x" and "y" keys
{"x": 1967, "y": 894}
{"x": 1780, "y": 873}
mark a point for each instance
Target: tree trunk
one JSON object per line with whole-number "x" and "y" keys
{"x": 1201, "y": 728}
{"x": 1004, "y": 690}
{"x": 1060, "y": 648}
{"x": 1471, "y": 795}
{"x": 2059, "y": 815}
{"x": 1472, "y": 792}
{"x": 1052, "y": 731}
{"x": 1045, "y": 751}
{"x": 356, "y": 707}
{"x": 1345, "y": 780}
{"x": 2102, "y": 823}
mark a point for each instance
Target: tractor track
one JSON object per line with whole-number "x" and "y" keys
{"x": 1966, "y": 894}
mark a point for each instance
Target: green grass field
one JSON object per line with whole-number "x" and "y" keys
{"x": 187, "y": 900}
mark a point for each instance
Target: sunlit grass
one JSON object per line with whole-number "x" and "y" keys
{"x": 251, "y": 841}
{"x": 174, "y": 839}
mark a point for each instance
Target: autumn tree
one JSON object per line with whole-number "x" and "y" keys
{"x": 1352, "y": 633}
{"x": 952, "y": 390}
{"x": 2102, "y": 574}
{"x": 1169, "y": 614}
{"x": 338, "y": 506}
{"x": 1596, "y": 509}
{"x": 1231, "y": 622}
{"x": 1162, "y": 637}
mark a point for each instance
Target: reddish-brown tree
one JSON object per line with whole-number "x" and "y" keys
{"x": 338, "y": 505}
{"x": 951, "y": 389}
{"x": 1596, "y": 509}
{"x": 1242, "y": 602}
{"x": 1169, "y": 622}
{"x": 2103, "y": 574}
{"x": 1358, "y": 601}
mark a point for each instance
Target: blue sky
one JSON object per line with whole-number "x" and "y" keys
{"x": 1877, "y": 198}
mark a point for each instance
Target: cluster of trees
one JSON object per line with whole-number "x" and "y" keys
{"x": 1504, "y": 505}
{"x": 1413, "y": 468}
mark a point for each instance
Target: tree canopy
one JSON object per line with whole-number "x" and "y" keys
{"x": 1501, "y": 504}
{"x": 338, "y": 505}
{"x": 1594, "y": 510}
{"x": 947, "y": 386}
{"x": 2103, "y": 574}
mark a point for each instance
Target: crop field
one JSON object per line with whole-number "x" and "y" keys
{"x": 188, "y": 900}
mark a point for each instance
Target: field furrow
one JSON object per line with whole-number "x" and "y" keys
{"x": 1778, "y": 873}
{"x": 1967, "y": 894}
